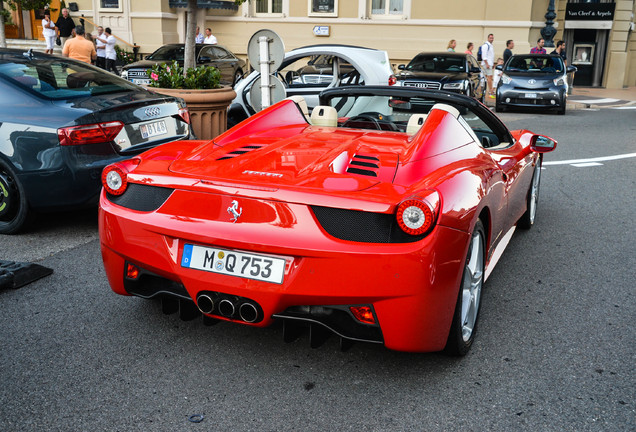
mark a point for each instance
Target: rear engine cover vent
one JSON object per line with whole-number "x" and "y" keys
{"x": 240, "y": 151}
{"x": 364, "y": 165}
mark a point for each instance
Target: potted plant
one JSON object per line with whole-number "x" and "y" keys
{"x": 206, "y": 99}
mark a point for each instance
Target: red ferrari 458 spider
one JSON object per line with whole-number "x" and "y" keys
{"x": 377, "y": 218}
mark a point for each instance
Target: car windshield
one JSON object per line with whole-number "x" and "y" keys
{"x": 436, "y": 63}
{"x": 57, "y": 78}
{"x": 535, "y": 63}
{"x": 168, "y": 52}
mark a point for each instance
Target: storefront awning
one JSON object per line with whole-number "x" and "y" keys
{"x": 205, "y": 4}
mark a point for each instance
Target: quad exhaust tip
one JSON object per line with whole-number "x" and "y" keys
{"x": 205, "y": 303}
{"x": 226, "y": 308}
{"x": 248, "y": 312}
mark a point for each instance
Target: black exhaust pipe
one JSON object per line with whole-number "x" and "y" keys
{"x": 248, "y": 312}
{"x": 226, "y": 308}
{"x": 205, "y": 303}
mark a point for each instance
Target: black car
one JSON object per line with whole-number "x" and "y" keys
{"x": 230, "y": 66}
{"x": 533, "y": 81}
{"x": 61, "y": 122}
{"x": 450, "y": 71}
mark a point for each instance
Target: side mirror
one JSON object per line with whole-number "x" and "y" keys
{"x": 475, "y": 69}
{"x": 571, "y": 69}
{"x": 499, "y": 67}
{"x": 542, "y": 144}
{"x": 402, "y": 67}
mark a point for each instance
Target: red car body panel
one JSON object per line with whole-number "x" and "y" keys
{"x": 278, "y": 167}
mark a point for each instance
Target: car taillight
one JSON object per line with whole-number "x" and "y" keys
{"x": 89, "y": 134}
{"x": 392, "y": 80}
{"x": 184, "y": 114}
{"x": 417, "y": 215}
{"x": 115, "y": 176}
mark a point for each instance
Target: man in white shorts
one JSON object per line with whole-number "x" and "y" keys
{"x": 48, "y": 31}
{"x": 488, "y": 62}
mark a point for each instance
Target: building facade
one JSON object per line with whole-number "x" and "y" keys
{"x": 600, "y": 35}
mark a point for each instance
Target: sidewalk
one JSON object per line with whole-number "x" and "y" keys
{"x": 587, "y": 97}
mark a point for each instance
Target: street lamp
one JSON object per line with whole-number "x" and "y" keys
{"x": 548, "y": 32}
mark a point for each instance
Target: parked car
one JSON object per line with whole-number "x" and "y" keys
{"x": 454, "y": 72}
{"x": 533, "y": 81}
{"x": 230, "y": 66}
{"x": 377, "y": 219}
{"x": 61, "y": 122}
{"x": 309, "y": 70}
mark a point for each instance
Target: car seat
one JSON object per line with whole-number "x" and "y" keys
{"x": 324, "y": 115}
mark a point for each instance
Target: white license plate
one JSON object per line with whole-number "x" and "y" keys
{"x": 154, "y": 129}
{"x": 233, "y": 263}
{"x": 531, "y": 95}
{"x": 141, "y": 81}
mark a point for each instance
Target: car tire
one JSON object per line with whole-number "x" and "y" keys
{"x": 499, "y": 108}
{"x": 464, "y": 325}
{"x": 532, "y": 200}
{"x": 14, "y": 207}
{"x": 562, "y": 108}
{"x": 237, "y": 76}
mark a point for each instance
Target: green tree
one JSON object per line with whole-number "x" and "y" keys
{"x": 13, "y": 4}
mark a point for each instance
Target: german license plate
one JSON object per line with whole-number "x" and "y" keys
{"x": 140, "y": 81}
{"x": 531, "y": 95}
{"x": 233, "y": 263}
{"x": 153, "y": 129}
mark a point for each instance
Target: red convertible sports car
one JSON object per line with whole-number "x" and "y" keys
{"x": 377, "y": 218}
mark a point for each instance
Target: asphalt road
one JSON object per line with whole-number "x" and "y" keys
{"x": 555, "y": 349}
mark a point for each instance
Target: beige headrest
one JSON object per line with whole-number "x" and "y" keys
{"x": 324, "y": 115}
{"x": 415, "y": 123}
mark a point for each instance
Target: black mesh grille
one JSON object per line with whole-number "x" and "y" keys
{"x": 359, "y": 226}
{"x": 141, "y": 197}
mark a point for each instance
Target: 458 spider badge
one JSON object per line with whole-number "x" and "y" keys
{"x": 235, "y": 211}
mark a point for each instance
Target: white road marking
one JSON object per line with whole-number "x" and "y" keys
{"x": 595, "y": 101}
{"x": 587, "y": 164}
{"x": 499, "y": 250}
{"x": 583, "y": 161}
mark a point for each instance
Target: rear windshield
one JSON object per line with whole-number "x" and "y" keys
{"x": 437, "y": 63}
{"x": 545, "y": 64}
{"x": 58, "y": 78}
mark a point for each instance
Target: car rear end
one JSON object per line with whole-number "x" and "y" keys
{"x": 85, "y": 119}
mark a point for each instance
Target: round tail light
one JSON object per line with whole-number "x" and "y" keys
{"x": 115, "y": 176}
{"x": 416, "y": 216}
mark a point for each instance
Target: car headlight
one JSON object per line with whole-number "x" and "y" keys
{"x": 506, "y": 79}
{"x": 559, "y": 81}
{"x": 455, "y": 85}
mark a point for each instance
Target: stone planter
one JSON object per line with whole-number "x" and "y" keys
{"x": 208, "y": 108}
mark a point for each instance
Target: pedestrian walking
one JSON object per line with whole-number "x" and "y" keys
{"x": 100, "y": 47}
{"x": 488, "y": 62}
{"x": 49, "y": 33}
{"x": 560, "y": 51}
{"x": 109, "y": 50}
{"x": 79, "y": 48}
{"x": 469, "y": 48}
{"x": 510, "y": 44}
{"x": 539, "y": 48}
{"x": 209, "y": 37}
{"x": 198, "y": 36}
{"x": 65, "y": 26}
{"x": 451, "y": 45}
